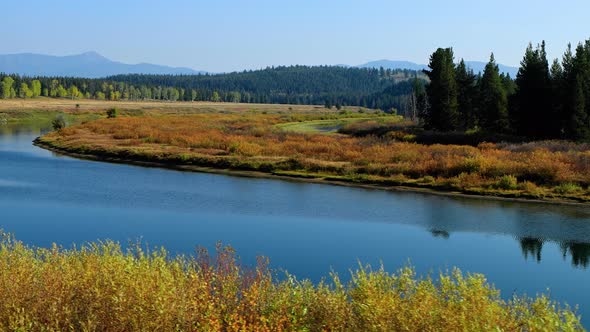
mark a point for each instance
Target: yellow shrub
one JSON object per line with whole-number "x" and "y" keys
{"x": 102, "y": 288}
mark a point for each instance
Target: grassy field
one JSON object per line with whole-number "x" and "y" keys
{"x": 69, "y": 105}
{"x": 332, "y": 126}
{"x": 43, "y": 110}
{"x": 255, "y": 141}
{"x": 99, "y": 287}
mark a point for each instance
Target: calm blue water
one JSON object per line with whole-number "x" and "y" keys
{"x": 307, "y": 229}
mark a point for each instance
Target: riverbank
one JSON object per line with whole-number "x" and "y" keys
{"x": 104, "y": 156}
{"x": 550, "y": 171}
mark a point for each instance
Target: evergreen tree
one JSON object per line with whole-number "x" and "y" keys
{"x": 442, "y": 92}
{"x": 466, "y": 96}
{"x": 493, "y": 100}
{"x": 558, "y": 94}
{"x": 533, "y": 113}
{"x": 416, "y": 107}
{"x": 577, "y": 95}
{"x": 509, "y": 84}
{"x": 578, "y": 120}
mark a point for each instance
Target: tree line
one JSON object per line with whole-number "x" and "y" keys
{"x": 329, "y": 85}
{"x": 543, "y": 102}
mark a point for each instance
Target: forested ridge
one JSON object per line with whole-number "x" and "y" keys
{"x": 326, "y": 85}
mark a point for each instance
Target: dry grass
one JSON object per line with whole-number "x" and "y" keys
{"x": 253, "y": 142}
{"x": 102, "y": 288}
{"x": 43, "y": 103}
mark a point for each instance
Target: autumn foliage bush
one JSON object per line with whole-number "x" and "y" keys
{"x": 253, "y": 142}
{"x": 100, "y": 287}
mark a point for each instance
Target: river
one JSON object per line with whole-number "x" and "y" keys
{"x": 306, "y": 229}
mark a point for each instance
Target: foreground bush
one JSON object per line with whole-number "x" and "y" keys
{"x": 101, "y": 288}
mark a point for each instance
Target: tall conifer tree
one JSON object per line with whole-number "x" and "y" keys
{"x": 533, "y": 112}
{"x": 577, "y": 99}
{"x": 493, "y": 100}
{"x": 442, "y": 92}
{"x": 466, "y": 96}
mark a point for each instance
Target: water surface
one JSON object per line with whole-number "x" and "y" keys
{"x": 307, "y": 229}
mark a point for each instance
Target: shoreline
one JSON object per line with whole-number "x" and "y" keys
{"x": 301, "y": 179}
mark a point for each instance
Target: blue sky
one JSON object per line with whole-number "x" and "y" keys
{"x": 226, "y": 35}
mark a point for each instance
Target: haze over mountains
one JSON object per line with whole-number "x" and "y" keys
{"x": 94, "y": 65}
{"x": 477, "y": 66}
{"x": 89, "y": 64}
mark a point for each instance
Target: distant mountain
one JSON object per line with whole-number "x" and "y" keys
{"x": 89, "y": 64}
{"x": 94, "y": 65}
{"x": 390, "y": 64}
{"x": 477, "y": 66}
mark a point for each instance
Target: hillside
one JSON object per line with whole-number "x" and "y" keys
{"x": 319, "y": 85}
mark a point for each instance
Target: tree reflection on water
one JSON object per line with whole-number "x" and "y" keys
{"x": 531, "y": 247}
{"x": 578, "y": 252}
